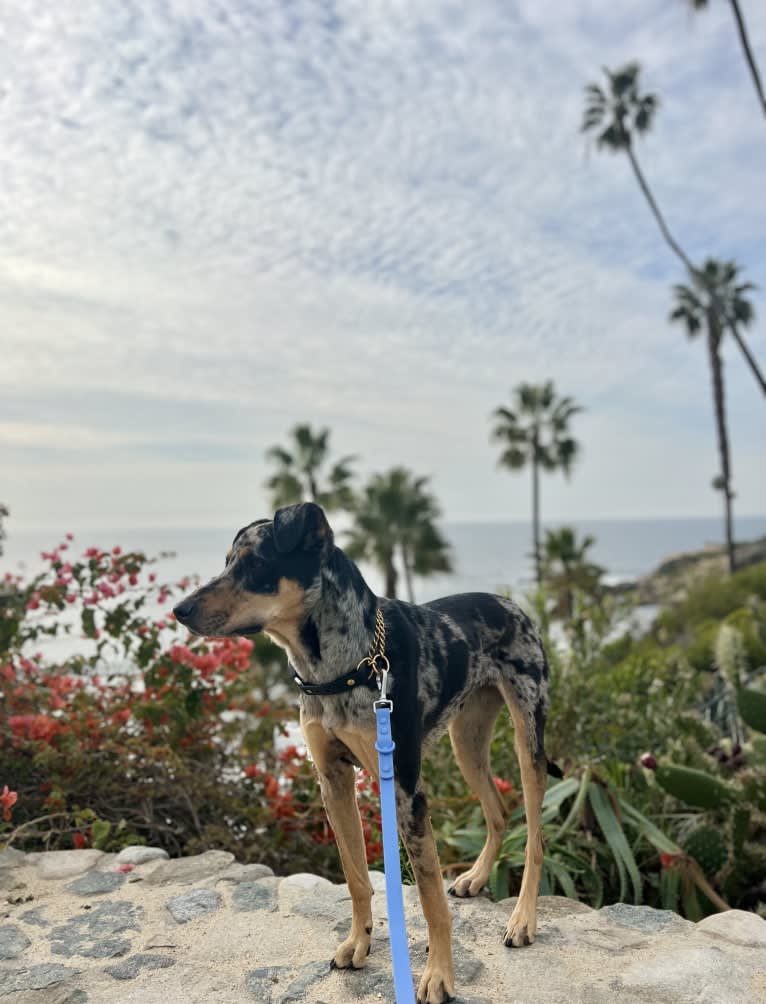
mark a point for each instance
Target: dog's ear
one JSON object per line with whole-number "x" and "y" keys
{"x": 300, "y": 527}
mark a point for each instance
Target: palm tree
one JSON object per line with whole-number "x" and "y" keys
{"x": 566, "y": 568}
{"x": 616, "y": 115}
{"x": 298, "y": 472}
{"x": 536, "y": 432}
{"x": 4, "y": 513}
{"x": 697, "y": 311}
{"x": 744, "y": 42}
{"x": 395, "y": 519}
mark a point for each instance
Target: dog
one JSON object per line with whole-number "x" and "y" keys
{"x": 454, "y": 662}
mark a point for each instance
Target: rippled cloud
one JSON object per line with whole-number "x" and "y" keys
{"x": 223, "y": 218}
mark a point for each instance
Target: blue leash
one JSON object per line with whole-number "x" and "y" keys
{"x": 400, "y": 956}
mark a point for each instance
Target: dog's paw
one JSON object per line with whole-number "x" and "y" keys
{"x": 437, "y": 985}
{"x": 521, "y": 931}
{"x": 467, "y": 885}
{"x": 352, "y": 953}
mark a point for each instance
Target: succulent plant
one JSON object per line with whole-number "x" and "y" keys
{"x": 707, "y": 846}
{"x": 695, "y": 787}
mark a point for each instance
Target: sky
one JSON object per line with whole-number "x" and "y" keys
{"x": 220, "y": 219}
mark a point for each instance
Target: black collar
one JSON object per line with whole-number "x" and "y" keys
{"x": 363, "y": 675}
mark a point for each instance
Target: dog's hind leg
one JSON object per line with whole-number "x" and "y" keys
{"x": 471, "y": 735}
{"x": 527, "y": 724}
{"x": 337, "y": 784}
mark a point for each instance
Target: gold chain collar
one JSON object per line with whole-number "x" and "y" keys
{"x": 377, "y": 659}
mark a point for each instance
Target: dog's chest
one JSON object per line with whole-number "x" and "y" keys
{"x": 347, "y": 713}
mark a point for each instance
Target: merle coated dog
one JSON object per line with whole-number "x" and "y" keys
{"x": 454, "y": 662}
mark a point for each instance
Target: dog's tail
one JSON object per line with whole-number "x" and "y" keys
{"x": 553, "y": 768}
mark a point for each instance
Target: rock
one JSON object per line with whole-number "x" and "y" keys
{"x": 161, "y": 941}
{"x": 35, "y": 918}
{"x": 313, "y": 896}
{"x": 245, "y": 873}
{"x": 137, "y": 854}
{"x": 13, "y": 941}
{"x": 94, "y": 934}
{"x": 378, "y": 881}
{"x": 329, "y": 902}
{"x": 36, "y": 978}
{"x": 130, "y": 968}
{"x": 67, "y": 864}
{"x": 306, "y": 881}
{"x": 268, "y": 985}
{"x": 686, "y": 976}
{"x": 250, "y": 896}
{"x": 190, "y": 905}
{"x": 642, "y": 918}
{"x": 184, "y": 871}
{"x": 11, "y": 858}
{"x": 96, "y": 883}
{"x": 736, "y": 926}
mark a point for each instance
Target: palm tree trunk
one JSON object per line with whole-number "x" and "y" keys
{"x": 670, "y": 240}
{"x": 716, "y": 366}
{"x": 696, "y": 276}
{"x": 407, "y": 574}
{"x": 391, "y": 577}
{"x": 749, "y": 57}
{"x": 536, "y": 515}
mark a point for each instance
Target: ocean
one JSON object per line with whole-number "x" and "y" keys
{"x": 486, "y": 556}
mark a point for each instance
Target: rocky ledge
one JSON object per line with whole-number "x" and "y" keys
{"x": 82, "y": 927}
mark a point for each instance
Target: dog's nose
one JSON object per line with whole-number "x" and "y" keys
{"x": 184, "y": 609}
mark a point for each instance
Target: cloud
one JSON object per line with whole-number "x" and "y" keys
{"x": 222, "y": 219}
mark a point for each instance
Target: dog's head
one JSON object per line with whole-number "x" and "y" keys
{"x": 271, "y": 578}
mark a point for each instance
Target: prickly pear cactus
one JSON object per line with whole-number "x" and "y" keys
{"x": 708, "y": 848}
{"x": 751, "y": 705}
{"x": 694, "y": 787}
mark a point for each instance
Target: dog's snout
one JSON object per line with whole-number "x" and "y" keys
{"x": 184, "y": 609}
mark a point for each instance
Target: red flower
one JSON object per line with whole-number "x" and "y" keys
{"x": 252, "y": 770}
{"x": 503, "y": 786}
{"x": 33, "y": 727}
{"x": 79, "y": 840}
{"x": 8, "y": 799}
{"x": 668, "y": 860}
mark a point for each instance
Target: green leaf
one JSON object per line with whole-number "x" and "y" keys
{"x": 89, "y": 622}
{"x": 498, "y": 880}
{"x": 101, "y": 830}
{"x": 653, "y": 833}
{"x": 562, "y": 876}
{"x": 576, "y": 808}
{"x": 615, "y": 837}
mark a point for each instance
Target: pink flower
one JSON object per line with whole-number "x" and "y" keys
{"x": 125, "y": 868}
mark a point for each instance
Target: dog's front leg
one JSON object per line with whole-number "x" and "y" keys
{"x": 337, "y": 784}
{"x": 437, "y": 983}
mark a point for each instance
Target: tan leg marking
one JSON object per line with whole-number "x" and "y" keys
{"x": 522, "y": 927}
{"x": 337, "y": 783}
{"x": 437, "y": 984}
{"x": 471, "y": 734}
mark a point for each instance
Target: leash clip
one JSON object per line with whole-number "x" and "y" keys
{"x": 383, "y": 701}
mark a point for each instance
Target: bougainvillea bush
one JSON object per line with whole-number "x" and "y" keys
{"x": 116, "y": 727}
